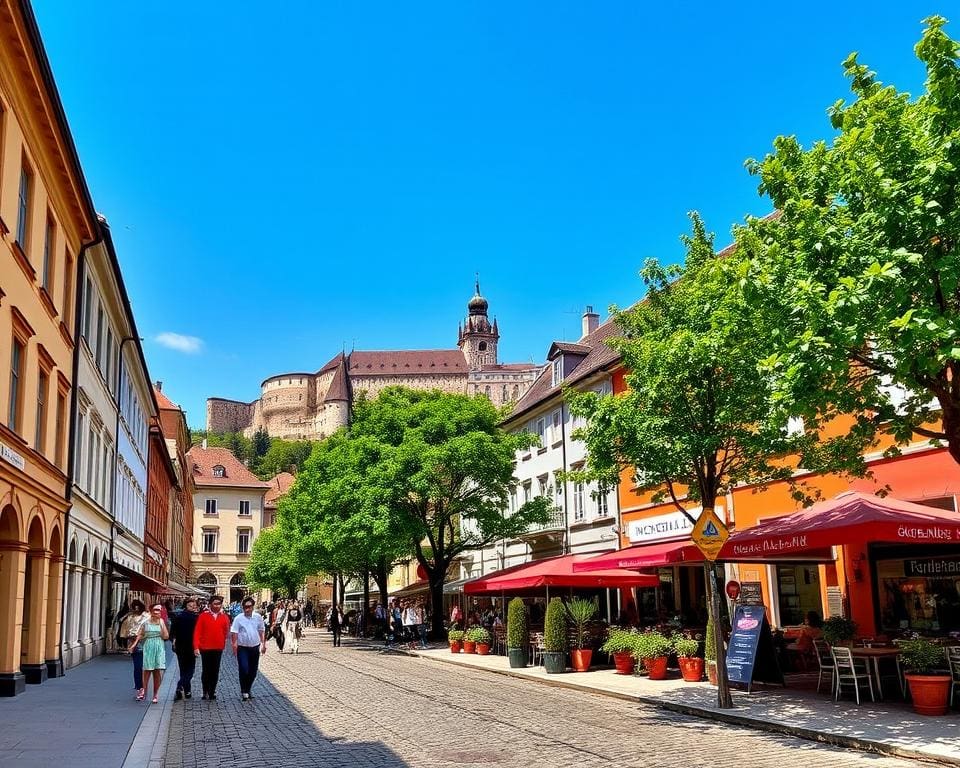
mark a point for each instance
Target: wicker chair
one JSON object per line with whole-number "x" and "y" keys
{"x": 850, "y": 674}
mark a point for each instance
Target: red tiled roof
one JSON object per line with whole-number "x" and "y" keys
{"x": 568, "y": 347}
{"x": 392, "y": 363}
{"x": 236, "y": 475}
{"x": 279, "y": 485}
{"x": 339, "y": 389}
{"x": 164, "y": 402}
{"x": 337, "y": 359}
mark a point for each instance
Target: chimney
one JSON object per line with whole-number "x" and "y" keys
{"x": 591, "y": 321}
{"x": 204, "y": 443}
{"x": 158, "y": 385}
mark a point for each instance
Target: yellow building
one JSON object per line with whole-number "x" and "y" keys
{"x": 47, "y": 222}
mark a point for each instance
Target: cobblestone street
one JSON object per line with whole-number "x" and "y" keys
{"x": 354, "y": 706}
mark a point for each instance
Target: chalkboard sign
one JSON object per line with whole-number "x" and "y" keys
{"x": 751, "y": 593}
{"x": 751, "y": 655}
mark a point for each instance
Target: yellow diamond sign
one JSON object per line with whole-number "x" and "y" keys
{"x": 709, "y": 534}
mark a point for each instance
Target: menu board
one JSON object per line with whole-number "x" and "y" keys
{"x": 751, "y": 655}
{"x": 751, "y": 593}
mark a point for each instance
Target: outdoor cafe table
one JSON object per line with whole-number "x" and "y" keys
{"x": 875, "y": 654}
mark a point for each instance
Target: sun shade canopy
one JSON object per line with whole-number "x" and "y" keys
{"x": 642, "y": 556}
{"x": 557, "y": 572}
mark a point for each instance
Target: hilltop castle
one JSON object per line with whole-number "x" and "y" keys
{"x": 310, "y": 406}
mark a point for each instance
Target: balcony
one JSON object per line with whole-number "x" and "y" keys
{"x": 554, "y": 527}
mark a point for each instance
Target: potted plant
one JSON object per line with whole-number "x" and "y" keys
{"x": 455, "y": 638}
{"x": 481, "y": 639}
{"x": 518, "y": 637}
{"x": 469, "y": 644}
{"x": 653, "y": 648}
{"x": 921, "y": 659}
{"x": 838, "y": 630}
{"x": 691, "y": 665}
{"x": 620, "y": 644}
{"x": 710, "y": 653}
{"x": 555, "y": 637}
{"x": 580, "y": 612}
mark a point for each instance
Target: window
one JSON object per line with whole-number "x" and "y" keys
{"x": 603, "y": 507}
{"x": 482, "y": 346}
{"x": 527, "y": 490}
{"x": 108, "y": 370}
{"x": 17, "y": 355}
{"x": 23, "y": 207}
{"x": 513, "y": 499}
{"x": 542, "y": 485}
{"x": 557, "y": 426}
{"x": 218, "y": 471}
{"x": 210, "y": 541}
{"x": 87, "y": 309}
{"x": 43, "y": 383}
{"x": 504, "y": 396}
{"x": 67, "y": 302}
{"x": 243, "y": 541}
{"x": 245, "y": 509}
{"x": 61, "y": 428}
{"x": 541, "y": 430}
{"x": 557, "y": 371}
{"x": 98, "y": 352}
{"x": 578, "y": 509}
{"x": 91, "y": 460}
{"x": 49, "y": 236}
{"x": 211, "y": 508}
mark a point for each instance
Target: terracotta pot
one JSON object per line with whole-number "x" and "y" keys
{"x": 929, "y": 693}
{"x": 580, "y": 659}
{"x": 456, "y": 646}
{"x": 657, "y": 668}
{"x": 469, "y": 646}
{"x": 712, "y": 672}
{"x": 624, "y": 662}
{"x": 691, "y": 667}
{"x": 483, "y": 649}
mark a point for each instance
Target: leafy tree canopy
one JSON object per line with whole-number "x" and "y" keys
{"x": 275, "y": 562}
{"x": 265, "y": 456}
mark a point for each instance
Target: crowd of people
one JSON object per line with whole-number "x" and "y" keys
{"x": 403, "y": 621}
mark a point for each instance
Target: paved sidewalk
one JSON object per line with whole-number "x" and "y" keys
{"x": 891, "y": 729}
{"x": 85, "y": 719}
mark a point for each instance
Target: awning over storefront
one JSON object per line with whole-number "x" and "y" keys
{"x": 456, "y": 587}
{"x": 176, "y": 588}
{"x": 660, "y": 555}
{"x": 849, "y": 518}
{"x": 416, "y": 588}
{"x": 556, "y": 572}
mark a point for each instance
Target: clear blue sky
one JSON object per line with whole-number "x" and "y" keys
{"x": 285, "y": 181}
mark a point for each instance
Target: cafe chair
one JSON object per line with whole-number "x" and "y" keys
{"x": 828, "y": 668}
{"x": 536, "y": 648}
{"x": 953, "y": 659}
{"x": 850, "y": 674}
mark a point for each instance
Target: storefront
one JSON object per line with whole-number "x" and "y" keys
{"x": 917, "y": 588}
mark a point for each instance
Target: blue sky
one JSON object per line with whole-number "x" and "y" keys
{"x": 285, "y": 182}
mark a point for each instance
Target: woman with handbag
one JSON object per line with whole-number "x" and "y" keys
{"x": 129, "y": 628}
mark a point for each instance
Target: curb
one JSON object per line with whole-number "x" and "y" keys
{"x": 149, "y": 746}
{"x": 837, "y": 740}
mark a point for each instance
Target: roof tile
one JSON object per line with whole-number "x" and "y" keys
{"x": 236, "y": 475}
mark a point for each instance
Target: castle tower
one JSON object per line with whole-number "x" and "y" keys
{"x": 478, "y": 338}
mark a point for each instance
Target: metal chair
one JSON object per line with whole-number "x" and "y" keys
{"x": 825, "y": 662}
{"x": 953, "y": 659}
{"x": 536, "y": 648}
{"x": 850, "y": 674}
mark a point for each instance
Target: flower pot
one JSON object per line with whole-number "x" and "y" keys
{"x": 580, "y": 659}
{"x": 456, "y": 646}
{"x": 929, "y": 693}
{"x": 469, "y": 646}
{"x": 483, "y": 649}
{"x": 712, "y": 672}
{"x": 624, "y": 662}
{"x": 517, "y": 657}
{"x": 656, "y": 668}
{"x": 554, "y": 662}
{"x": 691, "y": 667}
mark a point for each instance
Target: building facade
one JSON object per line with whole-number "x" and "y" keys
{"x": 46, "y": 223}
{"x": 176, "y": 434}
{"x": 162, "y": 492}
{"x": 310, "y": 406}
{"x": 228, "y": 516}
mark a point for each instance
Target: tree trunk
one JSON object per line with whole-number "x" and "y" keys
{"x": 950, "y": 415}
{"x": 724, "y": 701}
{"x": 364, "y": 614}
{"x": 436, "y": 601}
{"x": 380, "y": 577}
{"x": 333, "y": 600}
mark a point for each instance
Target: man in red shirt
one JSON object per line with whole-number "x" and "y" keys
{"x": 209, "y": 639}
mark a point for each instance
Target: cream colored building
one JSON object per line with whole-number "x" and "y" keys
{"x": 227, "y": 518}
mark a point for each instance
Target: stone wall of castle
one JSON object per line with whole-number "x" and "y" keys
{"x": 373, "y": 385}
{"x": 229, "y": 415}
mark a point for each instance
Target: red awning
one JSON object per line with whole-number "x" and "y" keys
{"x": 849, "y": 518}
{"x": 642, "y": 556}
{"x": 556, "y": 572}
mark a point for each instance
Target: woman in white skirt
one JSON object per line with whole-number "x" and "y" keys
{"x": 291, "y": 627}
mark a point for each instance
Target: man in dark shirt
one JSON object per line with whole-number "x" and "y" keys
{"x": 184, "y": 622}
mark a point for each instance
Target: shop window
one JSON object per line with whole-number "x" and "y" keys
{"x": 919, "y": 592}
{"x": 798, "y": 587}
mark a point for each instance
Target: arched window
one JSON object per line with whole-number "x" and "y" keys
{"x": 238, "y": 587}
{"x": 207, "y": 582}
{"x": 505, "y": 397}
{"x": 482, "y": 346}
{"x": 219, "y": 471}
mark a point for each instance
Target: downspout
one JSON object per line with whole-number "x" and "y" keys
{"x": 72, "y": 445}
{"x": 563, "y": 449}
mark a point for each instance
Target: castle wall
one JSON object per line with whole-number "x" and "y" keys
{"x": 373, "y": 385}
{"x": 228, "y": 415}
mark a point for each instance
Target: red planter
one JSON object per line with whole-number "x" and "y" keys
{"x": 624, "y": 662}
{"x": 929, "y": 693}
{"x": 456, "y": 646}
{"x": 580, "y": 659}
{"x": 469, "y": 646}
{"x": 483, "y": 649}
{"x": 691, "y": 667}
{"x": 656, "y": 668}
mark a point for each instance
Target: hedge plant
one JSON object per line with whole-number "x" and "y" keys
{"x": 555, "y": 627}
{"x": 710, "y": 642}
{"x": 517, "y": 633}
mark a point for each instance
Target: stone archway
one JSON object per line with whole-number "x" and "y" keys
{"x": 83, "y": 619}
{"x": 13, "y": 555}
{"x": 34, "y": 632}
{"x": 72, "y": 598}
{"x": 238, "y": 587}
{"x": 54, "y": 604}
{"x": 207, "y": 582}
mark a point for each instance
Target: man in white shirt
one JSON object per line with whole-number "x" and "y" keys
{"x": 248, "y": 638}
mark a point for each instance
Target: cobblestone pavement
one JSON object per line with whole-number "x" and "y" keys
{"x": 354, "y": 706}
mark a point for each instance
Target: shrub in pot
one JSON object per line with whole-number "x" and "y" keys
{"x": 518, "y": 636}
{"x": 455, "y": 638}
{"x": 653, "y": 649}
{"x": 921, "y": 660}
{"x": 580, "y": 612}
{"x": 710, "y": 652}
{"x": 838, "y": 630}
{"x": 481, "y": 639}
{"x": 691, "y": 665}
{"x": 620, "y": 644}
{"x": 555, "y": 637}
{"x": 469, "y": 644}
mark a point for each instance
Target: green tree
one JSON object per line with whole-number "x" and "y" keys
{"x": 261, "y": 442}
{"x": 697, "y": 419}
{"x": 862, "y": 265}
{"x": 276, "y": 563}
{"x": 283, "y": 456}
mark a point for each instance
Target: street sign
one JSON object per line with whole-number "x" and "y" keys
{"x": 733, "y": 589}
{"x": 709, "y": 534}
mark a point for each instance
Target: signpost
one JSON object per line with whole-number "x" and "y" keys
{"x": 709, "y": 534}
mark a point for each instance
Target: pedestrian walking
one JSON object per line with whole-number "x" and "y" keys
{"x": 128, "y": 632}
{"x": 380, "y": 618}
{"x": 410, "y": 622}
{"x": 209, "y": 640}
{"x": 276, "y": 626}
{"x": 150, "y": 637}
{"x": 248, "y": 638}
{"x": 336, "y": 624}
{"x": 308, "y": 614}
{"x": 184, "y": 624}
{"x": 292, "y": 628}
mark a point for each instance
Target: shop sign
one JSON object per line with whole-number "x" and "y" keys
{"x": 674, "y": 525}
{"x": 12, "y": 457}
{"x": 751, "y": 593}
{"x": 709, "y": 534}
{"x": 932, "y": 567}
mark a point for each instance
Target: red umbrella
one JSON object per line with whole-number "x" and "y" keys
{"x": 557, "y": 572}
{"x": 643, "y": 556}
